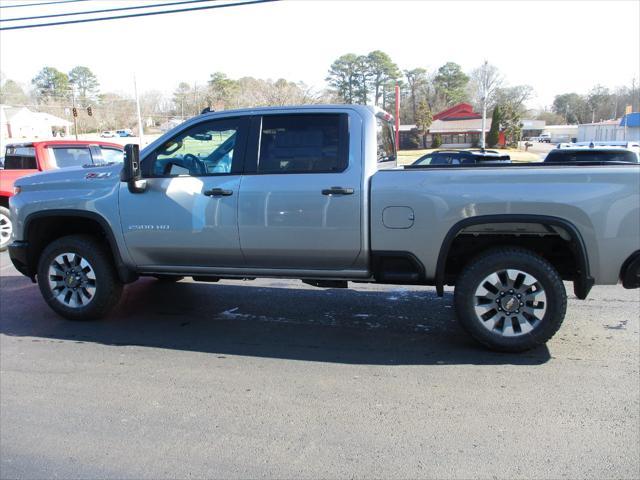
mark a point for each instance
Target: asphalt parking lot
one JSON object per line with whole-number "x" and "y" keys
{"x": 274, "y": 378}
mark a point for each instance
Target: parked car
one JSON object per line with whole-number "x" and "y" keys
{"x": 298, "y": 192}
{"x": 595, "y": 152}
{"x": 108, "y": 134}
{"x": 462, "y": 157}
{"x": 544, "y": 138}
{"x": 127, "y": 132}
{"x": 28, "y": 158}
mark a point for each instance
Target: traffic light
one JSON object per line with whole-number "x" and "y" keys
{"x": 89, "y": 111}
{"x": 75, "y": 111}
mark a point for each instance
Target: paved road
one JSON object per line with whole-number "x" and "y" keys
{"x": 540, "y": 149}
{"x": 277, "y": 379}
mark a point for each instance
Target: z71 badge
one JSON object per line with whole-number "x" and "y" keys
{"x": 92, "y": 175}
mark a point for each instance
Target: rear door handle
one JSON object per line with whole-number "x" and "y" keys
{"x": 218, "y": 192}
{"x": 337, "y": 191}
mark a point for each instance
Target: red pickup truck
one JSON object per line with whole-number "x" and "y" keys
{"x": 22, "y": 159}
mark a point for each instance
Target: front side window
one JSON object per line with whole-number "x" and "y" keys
{"x": 112, "y": 155}
{"x": 207, "y": 148}
{"x": 64, "y": 157}
{"x": 304, "y": 143}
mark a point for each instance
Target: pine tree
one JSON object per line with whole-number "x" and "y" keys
{"x": 493, "y": 137}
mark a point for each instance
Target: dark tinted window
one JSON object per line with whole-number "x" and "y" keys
{"x": 64, "y": 157}
{"x": 20, "y": 158}
{"x": 303, "y": 143}
{"x": 563, "y": 156}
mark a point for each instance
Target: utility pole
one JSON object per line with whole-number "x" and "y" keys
{"x": 135, "y": 89}
{"x": 484, "y": 86}
{"x": 484, "y": 121}
{"x": 397, "y": 116}
{"x": 74, "y": 111}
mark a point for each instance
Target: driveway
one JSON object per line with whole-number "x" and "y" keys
{"x": 274, "y": 378}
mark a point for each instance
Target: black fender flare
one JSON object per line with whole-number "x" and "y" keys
{"x": 126, "y": 274}
{"x": 581, "y": 286}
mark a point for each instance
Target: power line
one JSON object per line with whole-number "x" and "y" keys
{"x": 42, "y": 3}
{"x": 132, "y": 15}
{"x": 137, "y": 7}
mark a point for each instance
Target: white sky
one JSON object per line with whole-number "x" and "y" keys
{"x": 555, "y": 46}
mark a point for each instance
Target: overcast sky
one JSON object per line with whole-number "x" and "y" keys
{"x": 554, "y": 46}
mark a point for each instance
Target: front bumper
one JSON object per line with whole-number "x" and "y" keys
{"x": 19, "y": 255}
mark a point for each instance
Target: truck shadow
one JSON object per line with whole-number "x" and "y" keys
{"x": 395, "y": 326}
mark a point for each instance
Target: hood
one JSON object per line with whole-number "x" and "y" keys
{"x": 71, "y": 177}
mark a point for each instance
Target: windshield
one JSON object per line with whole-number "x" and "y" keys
{"x": 386, "y": 142}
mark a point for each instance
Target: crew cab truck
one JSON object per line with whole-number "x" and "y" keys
{"x": 306, "y": 193}
{"x": 27, "y": 158}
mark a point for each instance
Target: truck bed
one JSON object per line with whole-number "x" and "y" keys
{"x": 601, "y": 202}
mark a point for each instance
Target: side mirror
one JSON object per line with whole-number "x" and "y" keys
{"x": 131, "y": 172}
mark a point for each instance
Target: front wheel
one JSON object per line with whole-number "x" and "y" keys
{"x": 510, "y": 299}
{"x": 77, "y": 278}
{"x": 5, "y": 229}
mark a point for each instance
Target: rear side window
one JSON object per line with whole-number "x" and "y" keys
{"x": 385, "y": 140}
{"x": 20, "y": 158}
{"x": 557, "y": 156}
{"x": 64, "y": 157}
{"x": 304, "y": 143}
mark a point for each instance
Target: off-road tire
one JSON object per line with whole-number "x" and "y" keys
{"x": 501, "y": 259}
{"x": 4, "y": 212}
{"x": 108, "y": 287}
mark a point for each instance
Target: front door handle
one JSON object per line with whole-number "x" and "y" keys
{"x": 218, "y": 192}
{"x": 337, "y": 191}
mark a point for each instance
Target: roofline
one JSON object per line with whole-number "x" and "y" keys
{"x": 63, "y": 142}
{"x": 286, "y": 108}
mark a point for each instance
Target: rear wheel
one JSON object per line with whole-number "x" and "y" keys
{"x": 5, "y": 228}
{"x": 77, "y": 278}
{"x": 510, "y": 299}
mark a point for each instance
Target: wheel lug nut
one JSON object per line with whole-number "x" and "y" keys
{"x": 502, "y": 294}
{"x": 521, "y": 304}
{"x": 500, "y": 309}
{"x": 519, "y": 296}
{"x": 517, "y": 311}
{"x": 510, "y": 291}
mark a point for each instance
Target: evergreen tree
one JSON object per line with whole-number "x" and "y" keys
{"x": 493, "y": 137}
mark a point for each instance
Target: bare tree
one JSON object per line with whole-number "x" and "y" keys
{"x": 486, "y": 79}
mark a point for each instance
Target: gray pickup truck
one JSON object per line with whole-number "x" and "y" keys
{"x": 307, "y": 193}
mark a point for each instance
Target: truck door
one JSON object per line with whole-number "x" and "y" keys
{"x": 188, "y": 214}
{"x": 300, "y": 201}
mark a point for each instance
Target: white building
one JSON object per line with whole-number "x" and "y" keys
{"x": 625, "y": 129}
{"x": 22, "y": 123}
{"x": 561, "y": 133}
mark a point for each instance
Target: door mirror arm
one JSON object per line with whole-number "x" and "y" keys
{"x": 131, "y": 171}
